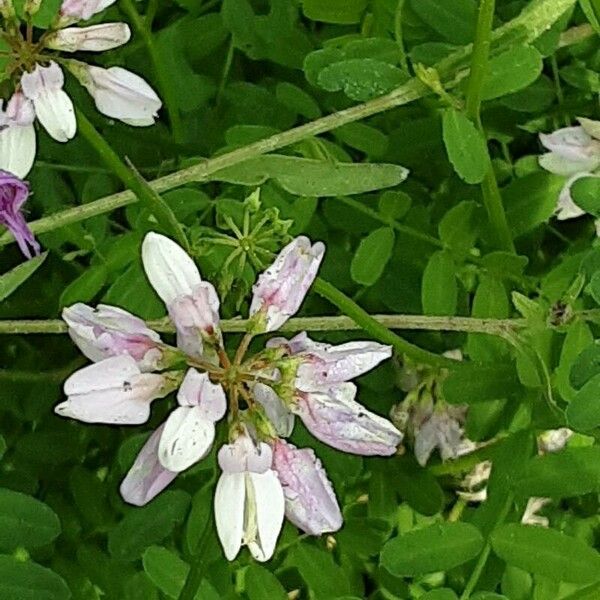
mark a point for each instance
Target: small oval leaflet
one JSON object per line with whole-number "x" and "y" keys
{"x": 547, "y": 553}
{"x": 439, "y": 547}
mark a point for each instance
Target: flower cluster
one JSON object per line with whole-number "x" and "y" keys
{"x": 574, "y": 152}
{"x": 36, "y": 75}
{"x": 264, "y": 477}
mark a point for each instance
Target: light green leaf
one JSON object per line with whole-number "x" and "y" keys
{"x": 465, "y": 146}
{"x": 439, "y": 289}
{"x": 511, "y": 71}
{"x": 261, "y": 584}
{"x": 459, "y": 227}
{"x": 308, "y": 177}
{"x": 167, "y": 571}
{"x": 25, "y": 521}
{"x": 438, "y": 547}
{"x": 11, "y": 280}
{"x": 454, "y": 20}
{"x": 547, "y": 553}
{"x": 372, "y": 256}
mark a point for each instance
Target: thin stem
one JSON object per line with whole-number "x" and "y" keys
{"x": 535, "y": 19}
{"x": 485, "y": 553}
{"x": 196, "y": 572}
{"x": 376, "y": 329}
{"x": 157, "y": 206}
{"x": 399, "y": 35}
{"x": 143, "y": 28}
{"x": 479, "y": 62}
{"x": 242, "y": 348}
{"x": 339, "y": 323}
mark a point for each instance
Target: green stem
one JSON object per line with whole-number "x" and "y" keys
{"x": 499, "y": 327}
{"x": 479, "y": 62}
{"x": 196, "y": 572}
{"x": 376, "y": 329}
{"x": 485, "y": 553}
{"x": 157, "y": 206}
{"x": 167, "y": 91}
{"x": 535, "y": 19}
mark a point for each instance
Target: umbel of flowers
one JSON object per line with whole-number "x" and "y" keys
{"x": 34, "y": 75}
{"x": 264, "y": 477}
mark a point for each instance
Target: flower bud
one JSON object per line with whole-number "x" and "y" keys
{"x": 310, "y": 501}
{"x": 13, "y": 194}
{"x": 334, "y": 417}
{"x": 119, "y": 94}
{"x": 53, "y": 108}
{"x": 280, "y": 290}
{"x": 111, "y": 331}
{"x": 95, "y": 38}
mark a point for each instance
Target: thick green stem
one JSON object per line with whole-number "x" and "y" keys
{"x": 167, "y": 91}
{"x": 157, "y": 206}
{"x": 532, "y": 22}
{"x": 497, "y": 327}
{"x": 479, "y": 62}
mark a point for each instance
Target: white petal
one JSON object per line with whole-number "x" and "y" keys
{"x": 559, "y": 165}
{"x": 170, "y": 270}
{"x": 55, "y": 112}
{"x": 280, "y": 416}
{"x": 198, "y": 390}
{"x": 230, "y": 500}
{"x": 186, "y": 439}
{"x": 17, "y": 149}
{"x": 270, "y": 508}
{"x": 96, "y": 38}
{"x": 102, "y": 375}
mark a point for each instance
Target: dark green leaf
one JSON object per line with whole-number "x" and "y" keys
{"x": 372, "y": 256}
{"x": 30, "y": 581}
{"x": 583, "y": 412}
{"x": 439, "y": 289}
{"x": 474, "y": 382}
{"x": 10, "y": 281}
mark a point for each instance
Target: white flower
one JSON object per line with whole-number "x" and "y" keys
{"x": 249, "y": 500}
{"x": 81, "y": 10}
{"x": 53, "y": 108}
{"x": 119, "y": 93}
{"x": 17, "y": 136}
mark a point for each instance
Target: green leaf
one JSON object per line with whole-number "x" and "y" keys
{"x": 547, "y": 553}
{"x": 585, "y": 366}
{"x": 440, "y": 594}
{"x": 143, "y": 527}
{"x": 417, "y": 485}
{"x": 438, "y": 547}
{"x": 323, "y": 576}
{"x": 85, "y": 287}
{"x": 11, "y": 280}
{"x": 25, "y": 521}
{"x": 308, "y": 177}
{"x": 591, "y": 9}
{"x": 361, "y": 79}
{"x": 465, "y": 145}
{"x": 372, "y": 256}
{"x": 261, "y": 584}
{"x": 460, "y": 226}
{"x": 578, "y": 339}
{"x": 340, "y": 12}
{"x": 586, "y": 194}
{"x": 583, "y": 412}
{"x": 439, "y": 288}
{"x": 572, "y": 472}
{"x": 478, "y": 382}
{"x": 167, "y": 571}
{"x": 30, "y": 581}
{"x": 362, "y": 137}
{"x": 511, "y": 71}
{"x": 454, "y": 20}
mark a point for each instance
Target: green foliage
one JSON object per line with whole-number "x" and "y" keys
{"x": 263, "y": 136}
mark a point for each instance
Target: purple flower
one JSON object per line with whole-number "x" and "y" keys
{"x": 310, "y": 501}
{"x": 13, "y": 193}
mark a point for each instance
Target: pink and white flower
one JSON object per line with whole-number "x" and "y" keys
{"x": 17, "y": 136}
{"x": 280, "y": 290}
{"x": 310, "y": 501}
